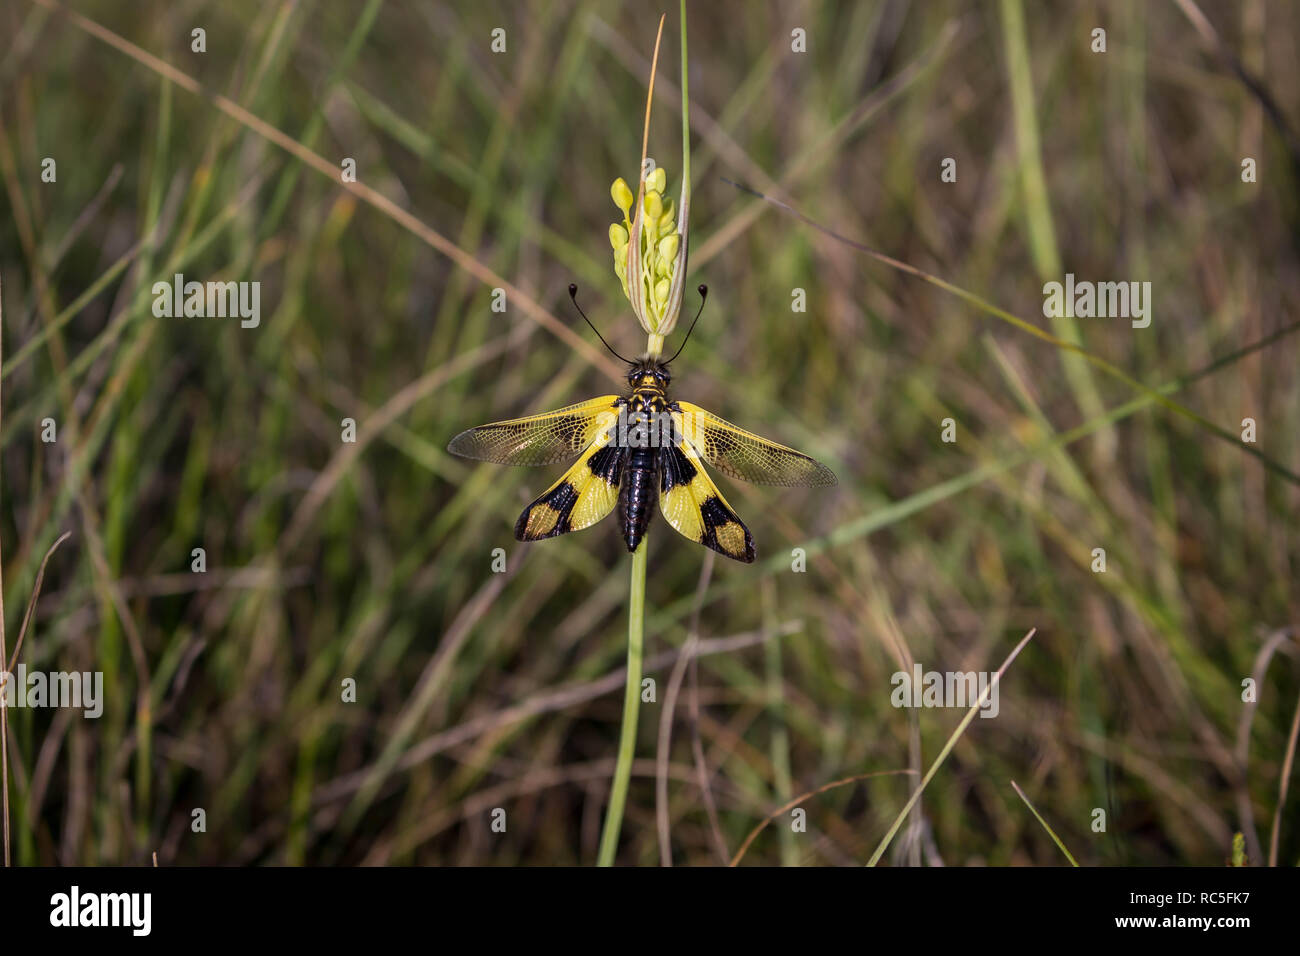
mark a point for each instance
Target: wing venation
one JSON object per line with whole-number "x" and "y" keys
{"x": 741, "y": 454}
{"x": 545, "y": 439}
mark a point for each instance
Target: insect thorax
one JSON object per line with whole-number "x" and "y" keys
{"x": 646, "y": 419}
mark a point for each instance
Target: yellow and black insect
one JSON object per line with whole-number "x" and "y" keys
{"x": 634, "y": 450}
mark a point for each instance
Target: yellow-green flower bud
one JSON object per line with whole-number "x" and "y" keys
{"x": 657, "y": 180}
{"x": 668, "y": 248}
{"x": 668, "y": 218}
{"x": 654, "y": 206}
{"x": 617, "y": 236}
{"x": 621, "y": 195}
{"x": 661, "y": 292}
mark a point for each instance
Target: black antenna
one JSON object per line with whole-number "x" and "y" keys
{"x": 704, "y": 295}
{"x": 573, "y": 294}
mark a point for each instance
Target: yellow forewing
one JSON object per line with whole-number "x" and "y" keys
{"x": 539, "y": 439}
{"x": 741, "y": 454}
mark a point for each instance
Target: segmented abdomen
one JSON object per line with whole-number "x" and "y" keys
{"x": 637, "y": 494}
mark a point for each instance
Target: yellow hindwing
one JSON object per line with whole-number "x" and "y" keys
{"x": 694, "y": 506}
{"x": 584, "y": 494}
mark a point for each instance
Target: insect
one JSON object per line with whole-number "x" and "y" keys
{"x": 638, "y": 451}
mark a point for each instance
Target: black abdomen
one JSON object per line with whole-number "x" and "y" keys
{"x": 636, "y": 494}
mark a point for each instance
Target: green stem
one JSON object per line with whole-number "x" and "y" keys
{"x": 631, "y": 710}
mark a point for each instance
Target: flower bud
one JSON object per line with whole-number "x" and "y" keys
{"x": 668, "y": 248}
{"x": 669, "y": 216}
{"x": 621, "y": 195}
{"x": 654, "y": 205}
{"x": 657, "y": 180}
{"x": 661, "y": 292}
{"x": 617, "y": 236}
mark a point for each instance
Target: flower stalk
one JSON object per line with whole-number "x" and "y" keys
{"x": 650, "y": 262}
{"x": 631, "y": 711}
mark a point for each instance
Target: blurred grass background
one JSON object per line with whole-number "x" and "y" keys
{"x": 372, "y": 560}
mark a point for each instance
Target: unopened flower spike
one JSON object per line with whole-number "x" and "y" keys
{"x": 650, "y": 251}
